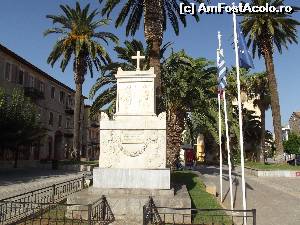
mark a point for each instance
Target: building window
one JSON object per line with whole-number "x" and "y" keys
{"x": 59, "y": 120}
{"x": 68, "y": 123}
{"x": 42, "y": 87}
{"x": 62, "y": 97}
{"x": 31, "y": 81}
{"x": 21, "y": 77}
{"x": 69, "y": 101}
{"x": 52, "y": 92}
{"x": 50, "y": 118}
{"x": 7, "y": 71}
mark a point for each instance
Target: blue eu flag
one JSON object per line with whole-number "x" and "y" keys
{"x": 244, "y": 56}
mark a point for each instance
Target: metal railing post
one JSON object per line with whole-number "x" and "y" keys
{"x": 144, "y": 217}
{"x": 90, "y": 214}
{"x": 53, "y": 192}
{"x": 254, "y": 216}
{"x": 82, "y": 182}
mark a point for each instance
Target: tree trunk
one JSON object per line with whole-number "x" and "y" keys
{"x": 261, "y": 152}
{"x": 153, "y": 30}
{"x": 80, "y": 69}
{"x": 154, "y": 56}
{"x": 175, "y": 121}
{"x": 77, "y": 122}
{"x": 275, "y": 106}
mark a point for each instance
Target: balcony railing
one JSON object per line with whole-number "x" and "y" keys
{"x": 68, "y": 132}
{"x": 33, "y": 93}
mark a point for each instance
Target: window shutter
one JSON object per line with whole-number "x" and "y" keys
{"x": 36, "y": 83}
{"x": 1, "y": 69}
{"x": 26, "y": 79}
{"x": 14, "y": 73}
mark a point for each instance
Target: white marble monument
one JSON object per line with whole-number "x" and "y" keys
{"x": 133, "y": 142}
{"x": 132, "y": 162}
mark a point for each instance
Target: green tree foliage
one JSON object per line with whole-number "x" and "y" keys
{"x": 292, "y": 145}
{"x": 258, "y": 90}
{"x": 19, "y": 121}
{"x": 79, "y": 35}
{"x": 267, "y": 31}
{"x": 189, "y": 86}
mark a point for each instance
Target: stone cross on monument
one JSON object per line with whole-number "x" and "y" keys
{"x": 138, "y": 57}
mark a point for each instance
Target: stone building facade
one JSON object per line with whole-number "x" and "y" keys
{"x": 54, "y": 101}
{"x": 91, "y": 148}
{"x": 294, "y": 123}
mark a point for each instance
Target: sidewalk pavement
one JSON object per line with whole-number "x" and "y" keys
{"x": 277, "y": 200}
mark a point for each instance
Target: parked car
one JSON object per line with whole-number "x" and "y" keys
{"x": 293, "y": 163}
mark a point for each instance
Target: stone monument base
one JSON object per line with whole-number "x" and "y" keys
{"x": 127, "y": 204}
{"x": 131, "y": 178}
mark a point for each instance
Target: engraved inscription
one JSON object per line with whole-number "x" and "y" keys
{"x": 133, "y": 137}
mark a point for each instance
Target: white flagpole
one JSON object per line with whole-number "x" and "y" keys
{"x": 220, "y": 131}
{"x": 228, "y": 150}
{"x": 220, "y": 144}
{"x": 227, "y": 134}
{"x": 240, "y": 116}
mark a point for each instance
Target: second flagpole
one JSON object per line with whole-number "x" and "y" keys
{"x": 240, "y": 116}
{"x": 227, "y": 135}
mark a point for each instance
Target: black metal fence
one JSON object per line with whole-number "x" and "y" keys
{"x": 174, "y": 216}
{"x": 57, "y": 213}
{"x": 20, "y": 206}
{"x": 53, "y": 193}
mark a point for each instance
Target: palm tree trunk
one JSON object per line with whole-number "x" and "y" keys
{"x": 154, "y": 56}
{"x": 175, "y": 121}
{"x": 76, "y": 138}
{"x": 261, "y": 153}
{"x": 153, "y": 30}
{"x": 275, "y": 106}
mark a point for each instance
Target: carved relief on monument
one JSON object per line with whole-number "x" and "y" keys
{"x": 121, "y": 146}
{"x": 110, "y": 145}
{"x": 125, "y": 99}
{"x": 156, "y": 157}
{"x": 145, "y": 98}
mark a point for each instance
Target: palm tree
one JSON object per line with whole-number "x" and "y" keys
{"x": 267, "y": 31}
{"x": 78, "y": 30}
{"x": 258, "y": 90}
{"x": 155, "y": 14}
{"x": 189, "y": 86}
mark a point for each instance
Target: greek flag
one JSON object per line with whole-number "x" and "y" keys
{"x": 221, "y": 70}
{"x": 244, "y": 55}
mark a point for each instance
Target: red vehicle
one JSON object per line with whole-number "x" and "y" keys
{"x": 190, "y": 157}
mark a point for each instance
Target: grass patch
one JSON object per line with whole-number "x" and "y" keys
{"x": 271, "y": 166}
{"x": 201, "y": 199}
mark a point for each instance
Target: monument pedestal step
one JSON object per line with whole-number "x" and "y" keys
{"x": 131, "y": 178}
{"x": 127, "y": 204}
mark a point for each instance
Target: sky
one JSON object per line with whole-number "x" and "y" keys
{"x": 22, "y": 24}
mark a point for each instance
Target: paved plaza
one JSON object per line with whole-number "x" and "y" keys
{"x": 276, "y": 199}
{"x": 20, "y": 180}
